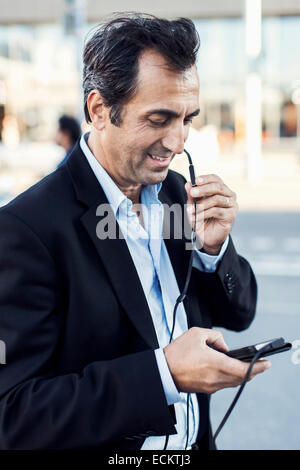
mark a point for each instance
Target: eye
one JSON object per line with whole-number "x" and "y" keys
{"x": 159, "y": 123}
{"x": 188, "y": 121}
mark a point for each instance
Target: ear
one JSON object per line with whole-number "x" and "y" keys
{"x": 99, "y": 113}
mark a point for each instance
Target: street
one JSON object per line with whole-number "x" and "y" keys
{"x": 267, "y": 414}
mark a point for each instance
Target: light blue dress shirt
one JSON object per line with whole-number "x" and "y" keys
{"x": 155, "y": 271}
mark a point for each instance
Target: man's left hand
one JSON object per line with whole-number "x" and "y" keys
{"x": 216, "y": 211}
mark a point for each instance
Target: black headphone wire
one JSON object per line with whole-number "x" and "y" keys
{"x": 183, "y": 295}
{"x": 180, "y": 299}
{"x": 234, "y": 401}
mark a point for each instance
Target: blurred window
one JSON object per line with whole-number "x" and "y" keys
{"x": 4, "y": 49}
{"x": 221, "y": 56}
{"x": 16, "y": 42}
{"x": 221, "y": 65}
{"x": 222, "y": 68}
{"x": 281, "y": 52}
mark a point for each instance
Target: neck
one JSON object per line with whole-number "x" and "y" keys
{"x": 131, "y": 191}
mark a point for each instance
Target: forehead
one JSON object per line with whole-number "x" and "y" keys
{"x": 158, "y": 86}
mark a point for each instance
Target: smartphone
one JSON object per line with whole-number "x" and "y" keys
{"x": 246, "y": 354}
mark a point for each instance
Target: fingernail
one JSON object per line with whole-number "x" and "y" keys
{"x": 194, "y": 192}
{"x": 199, "y": 179}
{"x": 268, "y": 365}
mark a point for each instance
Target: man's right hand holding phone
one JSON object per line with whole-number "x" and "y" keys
{"x": 197, "y": 363}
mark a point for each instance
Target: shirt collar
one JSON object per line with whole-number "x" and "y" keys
{"x": 114, "y": 195}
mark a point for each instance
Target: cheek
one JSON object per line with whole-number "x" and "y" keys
{"x": 186, "y": 132}
{"x": 145, "y": 137}
{"x": 135, "y": 139}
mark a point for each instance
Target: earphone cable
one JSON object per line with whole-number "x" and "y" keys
{"x": 245, "y": 380}
{"x": 187, "y": 420}
{"x": 180, "y": 299}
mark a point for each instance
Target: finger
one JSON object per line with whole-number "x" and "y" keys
{"x": 226, "y": 215}
{"x": 218, "y": 213}
{"x": 219, "y": 344}
{"x": 226, "y": 199}
{"x": 205, "y": 179}
{"x": 211, "y": 178}
{"x": 239, "y": 368}
{"x": 210, "y": 189}
{"x": 259, "y": 367}
{"x": 213, "y": 201}
{"x": 190, "y": 199}
{"x": 215, "y": 339}
{"x": 191, "y": 202}
{"x": 212, "y": 186}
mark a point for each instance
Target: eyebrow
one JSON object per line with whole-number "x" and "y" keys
{"x": 171, "y": 113}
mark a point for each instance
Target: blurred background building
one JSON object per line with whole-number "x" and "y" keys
{"x": 40, "y": 79}
{"x": 242, "y": 94}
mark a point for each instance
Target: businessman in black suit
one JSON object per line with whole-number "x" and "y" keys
{"x": 88, "y": 365}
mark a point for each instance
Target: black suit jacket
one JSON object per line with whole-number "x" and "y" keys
{"x": 80, "y": 369}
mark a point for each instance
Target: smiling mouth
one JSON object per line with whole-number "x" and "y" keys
{"x": 159, "y": 160}
{"x": 155, "y": 157}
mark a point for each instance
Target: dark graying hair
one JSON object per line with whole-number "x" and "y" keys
{"x": 111, "y": 55}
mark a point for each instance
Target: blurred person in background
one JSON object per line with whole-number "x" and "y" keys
{"x": 87, "y": 318}
{"x": 67, "y": 134}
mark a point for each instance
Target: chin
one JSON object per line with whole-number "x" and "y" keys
{"x": 156, "y": 178}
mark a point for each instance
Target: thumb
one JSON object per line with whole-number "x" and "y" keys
{"x": 188, "y": 187}
{"x": 215, "y": 339}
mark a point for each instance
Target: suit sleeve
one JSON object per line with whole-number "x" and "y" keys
{"x": 231, "y": 291}
{"x": 103, "y": 403}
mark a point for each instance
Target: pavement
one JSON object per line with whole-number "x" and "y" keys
{"x": 267, "y": 414}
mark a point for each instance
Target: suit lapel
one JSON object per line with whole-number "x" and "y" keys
{"x": 114, "y": 254}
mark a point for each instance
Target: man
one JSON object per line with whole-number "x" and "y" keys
{"x": 67, "y": 134}
{"x": 87, "y": 318}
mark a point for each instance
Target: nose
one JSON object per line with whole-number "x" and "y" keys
{"x": 175, "y": 138}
